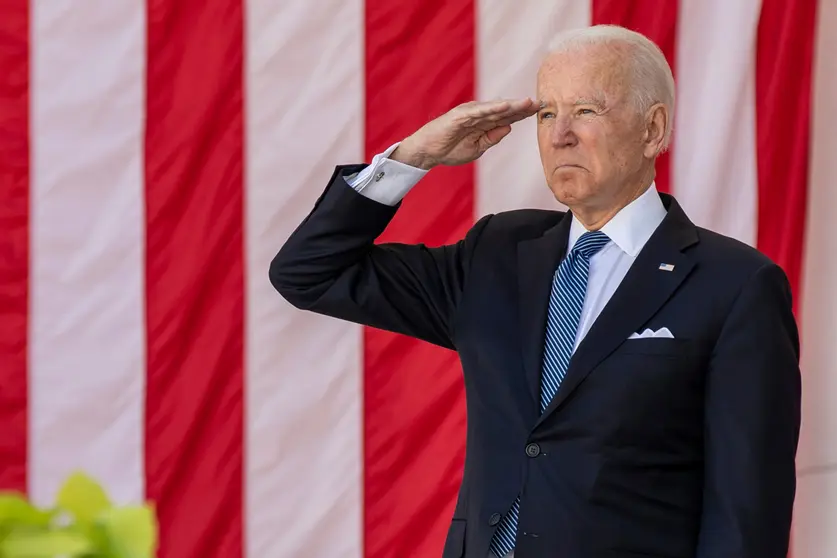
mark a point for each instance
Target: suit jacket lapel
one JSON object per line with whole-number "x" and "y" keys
{"x": 538, "y": 258}
{"x": 641, "y": 294}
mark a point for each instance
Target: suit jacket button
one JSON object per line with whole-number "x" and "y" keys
{"x": 533, "y": 450}
{"x": 494, "y": 519}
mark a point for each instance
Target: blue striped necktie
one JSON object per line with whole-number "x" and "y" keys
{"x": 569, "y": 286}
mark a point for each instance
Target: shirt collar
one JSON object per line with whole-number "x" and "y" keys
{"x": 632, "y": 226}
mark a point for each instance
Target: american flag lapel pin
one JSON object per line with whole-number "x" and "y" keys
{"x": 667, "y": 267}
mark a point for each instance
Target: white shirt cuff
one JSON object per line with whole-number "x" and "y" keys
{"x": 384, "y": 180}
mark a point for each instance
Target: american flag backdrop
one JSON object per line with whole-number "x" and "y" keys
{"x": 155, "y": 154}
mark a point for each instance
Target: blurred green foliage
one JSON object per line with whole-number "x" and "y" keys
{"x": 83, "y": 523}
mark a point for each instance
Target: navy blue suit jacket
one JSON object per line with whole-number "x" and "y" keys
{"x": 675, "y": 448}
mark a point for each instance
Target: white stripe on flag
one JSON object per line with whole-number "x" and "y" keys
{"x": 512, "y": 39}
{"x": 87, "y": 333}
{"x": 714, "y": 174}
{"x": 816, "y": 503}
{"x": 304, "y": 87}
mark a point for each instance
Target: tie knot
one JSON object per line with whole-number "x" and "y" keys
{"x": 590, "y": 242}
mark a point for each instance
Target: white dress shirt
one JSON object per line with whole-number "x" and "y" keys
{"x": 384, "y": 180}
{"x": 628, "y": 231}
{"x": 387, "y": 181}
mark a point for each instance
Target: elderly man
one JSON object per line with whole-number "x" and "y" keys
{"x": 632, "y": 379}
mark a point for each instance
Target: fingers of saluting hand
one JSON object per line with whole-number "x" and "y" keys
{"x": 501, "y": 112}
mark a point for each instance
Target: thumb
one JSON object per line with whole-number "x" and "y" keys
{"x": 493, "y": 136}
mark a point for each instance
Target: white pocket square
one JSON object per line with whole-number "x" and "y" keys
{"x": 662, "y": 333}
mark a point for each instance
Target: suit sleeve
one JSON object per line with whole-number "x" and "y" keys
{"x": 752, "y": 421}
{"x": 331, "y": 265}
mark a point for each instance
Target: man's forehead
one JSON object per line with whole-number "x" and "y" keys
{"x": 577, "y": 89}
{"x": 579, "y": 76}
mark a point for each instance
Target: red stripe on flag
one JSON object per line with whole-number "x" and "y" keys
{"x": 657, "y": 20}
{"x": 419, "y": 64}
{"x": 14, "y": 241}
{"x": 786, "y": 34}
{"x": 195, "y": 275}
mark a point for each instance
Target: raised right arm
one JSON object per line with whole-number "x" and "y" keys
{"x": 332, "y": 266}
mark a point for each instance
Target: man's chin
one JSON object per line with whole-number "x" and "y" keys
{"x": 570, "y": 192}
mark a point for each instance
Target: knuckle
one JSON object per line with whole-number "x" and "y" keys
{"x": 462, "y": 118}
{"x": 464, "y": 107}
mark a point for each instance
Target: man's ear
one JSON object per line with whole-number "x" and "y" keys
{"x": 656, "y": 120}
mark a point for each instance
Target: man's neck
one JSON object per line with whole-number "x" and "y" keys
{"x": 594, "y": 218}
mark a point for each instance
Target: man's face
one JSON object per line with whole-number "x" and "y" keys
{"x": 590, "y": 136}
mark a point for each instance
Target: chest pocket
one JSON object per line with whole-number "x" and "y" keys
{"x": 658, "y": 346}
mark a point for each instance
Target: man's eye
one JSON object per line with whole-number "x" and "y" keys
{"x": 545, "y": 115}
{"x": 586, "y": 111}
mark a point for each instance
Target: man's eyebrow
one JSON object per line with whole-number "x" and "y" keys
{"x": 597, "y": 102}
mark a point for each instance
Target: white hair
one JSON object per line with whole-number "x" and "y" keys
{"x": 652, "y": 79}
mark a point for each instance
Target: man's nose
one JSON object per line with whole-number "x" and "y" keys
{"x": 563, "y": 134}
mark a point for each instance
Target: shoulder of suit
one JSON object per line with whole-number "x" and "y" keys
{"x": 729, "y": 253}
